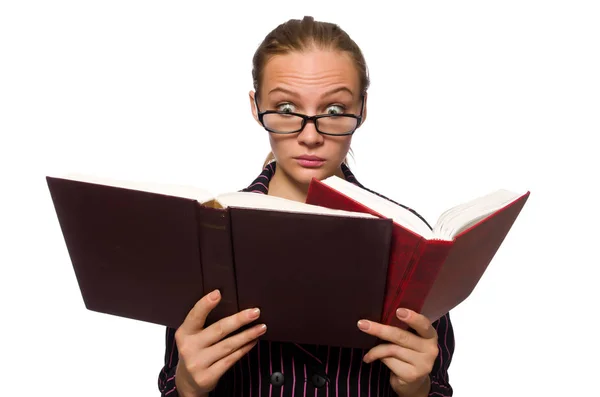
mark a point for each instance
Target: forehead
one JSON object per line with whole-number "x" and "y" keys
{"x": 311, "y": 73}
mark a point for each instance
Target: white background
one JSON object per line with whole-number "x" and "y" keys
{"x": 466, "y": 97}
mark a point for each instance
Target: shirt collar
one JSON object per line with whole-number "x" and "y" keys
{"x": 261, "y": 183}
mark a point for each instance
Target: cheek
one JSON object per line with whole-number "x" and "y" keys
{"x": 280, "y": 144}
{"x": 341, "y": 145}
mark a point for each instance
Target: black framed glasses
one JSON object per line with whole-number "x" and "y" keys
{"x": 279, "y": 122}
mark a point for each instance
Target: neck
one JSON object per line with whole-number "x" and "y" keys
{"x": 283, "y": 185}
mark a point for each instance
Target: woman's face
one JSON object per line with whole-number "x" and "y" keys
{"x": 312, "y": 82}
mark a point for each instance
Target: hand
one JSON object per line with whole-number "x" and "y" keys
{"x": 409, "y": 357}
{"x": 204, "y": 356}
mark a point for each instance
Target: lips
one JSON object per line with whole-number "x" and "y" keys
{"x": 310, "y": 161}
{"x": 310, "y": 158}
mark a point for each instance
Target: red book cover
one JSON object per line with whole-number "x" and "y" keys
{"x": 430, "y": 276}
{"x": 471, "y": 253}
{"x": 405, "y": 249}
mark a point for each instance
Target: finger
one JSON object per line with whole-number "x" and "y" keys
{"x": 223, "y": 365}
{"x": 392, "y": 334}
{"x": 229, "y": 345}
{"x": 405, "y": 372}
{"x": 196, "y": 317}
{"x": 388, "y": 350}
{"x": 220, "y": 329}
{"x": 418, "y": 322}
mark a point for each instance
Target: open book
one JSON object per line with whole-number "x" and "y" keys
{"x": 151, "y": 251}
{"x": 433, "y": 270}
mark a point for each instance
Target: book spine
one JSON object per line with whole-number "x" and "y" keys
{"x": 403, "y": 255}
{"x": 216, "y": 253}
{"x": 422, "y": 272}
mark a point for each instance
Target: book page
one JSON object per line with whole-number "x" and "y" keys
{"x": 189, "y": 192}
{"x": 263, "y": 201}
{"x": 398, "y": 214}
{"x": 459, "y": 218}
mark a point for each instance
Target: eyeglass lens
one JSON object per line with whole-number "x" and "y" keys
{"x": 291, "y": 123}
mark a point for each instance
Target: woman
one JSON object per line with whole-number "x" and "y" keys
{"x": 305, "y": 68}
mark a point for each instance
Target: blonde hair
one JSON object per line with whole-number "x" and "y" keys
{"x": 299, "y": 35}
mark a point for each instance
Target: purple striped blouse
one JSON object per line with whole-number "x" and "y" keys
{"x": 273, "y": 369}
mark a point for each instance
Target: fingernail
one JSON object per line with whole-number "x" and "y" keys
{"x": 261, "y": 329}
{"x": 214, "y": 295}
{"x": 402, "y": 313}
{"x": 253, "y": 313}
{"x": 364, "y": 325}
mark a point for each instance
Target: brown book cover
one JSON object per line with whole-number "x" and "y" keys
{"x": 150, "y": 256}
{"x": 313, "y": 276}
{"x": 134, "y": 254}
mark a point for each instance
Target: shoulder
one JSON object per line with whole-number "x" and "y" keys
{"x": 261, "y": 183}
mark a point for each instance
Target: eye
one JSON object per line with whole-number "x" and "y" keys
{"x": 286, "y": 107}
{"x": 335, "y": 109}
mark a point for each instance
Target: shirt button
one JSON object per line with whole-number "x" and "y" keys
{"x": 318, "y": 381}
{"x": 277, "y": 379}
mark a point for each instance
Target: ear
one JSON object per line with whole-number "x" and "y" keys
{"x": 251, "y": 96}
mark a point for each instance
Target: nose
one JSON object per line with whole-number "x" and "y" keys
{"x": 309, "y": 136}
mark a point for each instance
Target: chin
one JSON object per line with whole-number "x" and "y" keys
{"x": 305, "y": 175}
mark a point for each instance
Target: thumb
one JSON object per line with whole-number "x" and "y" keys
{"x": 196, "y": 317}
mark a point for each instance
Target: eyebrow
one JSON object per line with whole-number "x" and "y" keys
{"x": 328, "y": 93}
{"x": 285, "y": 91}
{"x": 339, "y": 89}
